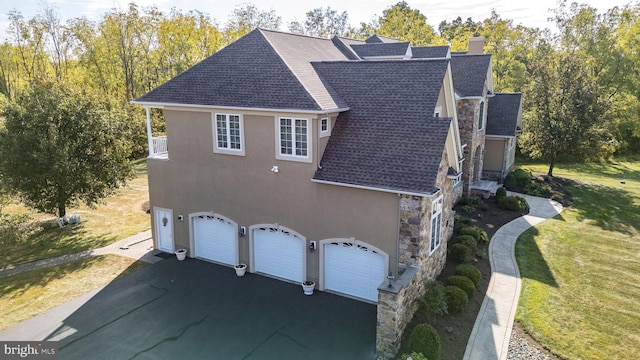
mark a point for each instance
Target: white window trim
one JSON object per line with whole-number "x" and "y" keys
{"x": 435, "y": 238}
{"x": 308, "y": 158}
{"x": 482, "y": 113}
{"x": 438, "y": 111}
{"x": 228, "y": 151}
{"x": 327, "y": 132}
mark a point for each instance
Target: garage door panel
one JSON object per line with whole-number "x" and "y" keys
{"x": 215, "y": 239}
{"x": 279, "y": 253}
{"x": 353, "y": 269}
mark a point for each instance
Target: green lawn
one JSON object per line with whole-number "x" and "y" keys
{"x": 581, "y": 270}
{"x": 25, "y": 295}
{"x": 119, "y": 216}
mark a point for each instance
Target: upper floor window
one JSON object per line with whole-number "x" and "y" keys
{"x": 437, "y": 112}
{"x": 228, "y": 134}
{"x": 294, "y": 138}
{"x": 436, "y": 224}
{"x": 481, "y": 116}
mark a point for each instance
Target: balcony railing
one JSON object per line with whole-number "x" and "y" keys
{"x": 159, "y": 146}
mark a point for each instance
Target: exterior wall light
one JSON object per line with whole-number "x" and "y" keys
{"x": 275, "y": 169}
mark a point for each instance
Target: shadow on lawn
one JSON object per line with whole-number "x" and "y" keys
{"x": 51, "y": 242}
{"x": 531, "y": 262}
{"x": 608, "y": 208}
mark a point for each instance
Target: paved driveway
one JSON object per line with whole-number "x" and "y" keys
{"x": 198, "y": 310}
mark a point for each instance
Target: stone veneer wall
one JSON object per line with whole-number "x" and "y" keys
{"x": 397, "y": 304}
{"x": 468, "y": 112}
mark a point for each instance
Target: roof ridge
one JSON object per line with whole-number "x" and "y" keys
{"x": 282, "y": 58}
{"x": 292, "y": 34}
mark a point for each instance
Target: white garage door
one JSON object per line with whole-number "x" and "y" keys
{"x": 214, "y": 239}
{"x": 354, "y": 269}
{"x": 279, "y": 253}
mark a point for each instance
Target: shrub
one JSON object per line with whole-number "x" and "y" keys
{"x": 468, "y": 209}
{"x": 466, "y": 200}
{"x": 425, "y": 340}
{"x": 468, "y": 240}
{"x": 460, "y": 253}
{"x": 482, "y": 254}
{"x": 510, "y": 182}
{"x": 479, "y": 234}
{"x": 557, "y": 197}
{"x": 513, "y": 203}
{"x": 469, "y": 271}
{"x": 538, "y": 189}
{"x": 460, "y": 222}
{"x": 413, "y": 356}
{"x": 457, "y": 299}
{"x": 501, "y": 192}
{"x": 433, "y": 303}
{"x": 463, "y": 283}
{"x": 523, "y": 177}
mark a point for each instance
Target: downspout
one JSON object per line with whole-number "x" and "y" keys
{"x": 398, "y": 235}
{"x": 149, "y": 136}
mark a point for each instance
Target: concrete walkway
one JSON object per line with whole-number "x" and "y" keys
{"x": 139, "y": 247}
{"x": 491, "y": 332}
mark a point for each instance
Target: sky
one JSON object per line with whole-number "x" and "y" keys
{"x": 530, "y": 13}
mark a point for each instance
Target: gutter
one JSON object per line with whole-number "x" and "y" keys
{"x": 399, "y": 192}
{"x": 159, "y": 105}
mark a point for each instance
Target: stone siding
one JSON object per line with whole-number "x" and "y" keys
{"x": 468, "y": 112}
{"x": 493, "y": 175}
{"x": 397, "y": 304}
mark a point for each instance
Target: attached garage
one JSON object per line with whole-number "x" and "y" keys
{"x": 215, "y": 238}
{"x": 279, "y": 252}
{"x": 353, "y": 268}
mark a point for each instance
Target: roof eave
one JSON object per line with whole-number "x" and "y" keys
{"x": 160, "y": 105}
{"x": 363, "y": 187}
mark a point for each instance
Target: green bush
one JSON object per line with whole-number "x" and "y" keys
{"x": 457, "y": 299}
{"x": 538, "y": 189}
{"x": 468, "y": 240}
{"x": 463, "y": 283}
{"x": 413, "y": 356}
{"x": 433, "y": 303}
{"x": 479, "y": 234}
{"x": 501, "y": 192}
{"x": 513, "y": 203}
{"x": 481, "y": 254}
{"x": 469, "y": 271}
{"x": 523, "y": 177}
{"x": 510, "y": 182}
{"x": 460, "y": 253}
{"x": 557, "y": 197}
{"x": 468, "y": 209}
{"x": 425, "y": 340}
{"x": 460, "y": 222}
{"x": 466, "y": 200}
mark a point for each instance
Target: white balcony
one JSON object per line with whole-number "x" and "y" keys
{"x": 159, "y": 148}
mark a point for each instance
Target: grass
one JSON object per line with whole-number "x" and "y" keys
{"x": 25, "y": 295}
{"x": 120, "y": 216}
{"x": 580, "y": 295}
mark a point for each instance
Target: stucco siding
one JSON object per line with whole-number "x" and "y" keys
{"x": 494, "y": 156}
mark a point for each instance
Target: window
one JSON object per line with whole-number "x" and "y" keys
{"x": 458, "y": 180}
{"x": 481, "y": 116}
{"x": 294, "y": 137}
{"x": 436, "y": 224}
{"x": 228, "y": 134}
{"x": 324, "y": 125}
{"x": 437, "y": 112}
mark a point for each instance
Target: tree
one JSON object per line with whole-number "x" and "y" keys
{"x": 403, "y": 23}
{"x": 248, "y": 17}
{"x": 60, "y": 146}
{"x": 322, "y": 23}
{"x": 566, "y": 111}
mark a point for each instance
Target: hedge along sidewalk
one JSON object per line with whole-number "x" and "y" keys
{"x": 491, "y": 332}
{"x": 139, "y": 247}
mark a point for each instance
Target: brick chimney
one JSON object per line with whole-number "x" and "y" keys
{"x": 476, "y": 45}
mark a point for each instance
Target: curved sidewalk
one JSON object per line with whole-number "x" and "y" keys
{"x": 491, "y": 332}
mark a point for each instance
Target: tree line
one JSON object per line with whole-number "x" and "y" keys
{"x": 581, "y": 84}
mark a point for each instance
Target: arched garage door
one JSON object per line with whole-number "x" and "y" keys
{"x": 353, "y": 268}
{"x": 279, "y": 252}
{"x": 215, "y": 238}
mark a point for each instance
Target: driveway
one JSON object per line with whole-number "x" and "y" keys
{"x": 198, "y": 310}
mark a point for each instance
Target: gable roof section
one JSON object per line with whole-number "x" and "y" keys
{"x": 430, "y": 52}
{"x": 381, "y": 49}
{"x": 379, "y": 39}
{"x": 388, "y": 139}
{"x": 502, "y": 114}
{"x": 469, "y": 73}
{"x": 258, "y": 70}
{"x": 343, "y": 45}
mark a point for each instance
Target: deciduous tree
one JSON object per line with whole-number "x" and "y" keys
{"x": 60, "y": 146}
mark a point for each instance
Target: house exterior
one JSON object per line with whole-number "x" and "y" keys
{"x": 503, "y": 125}
{"x": 332, "y": 160}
